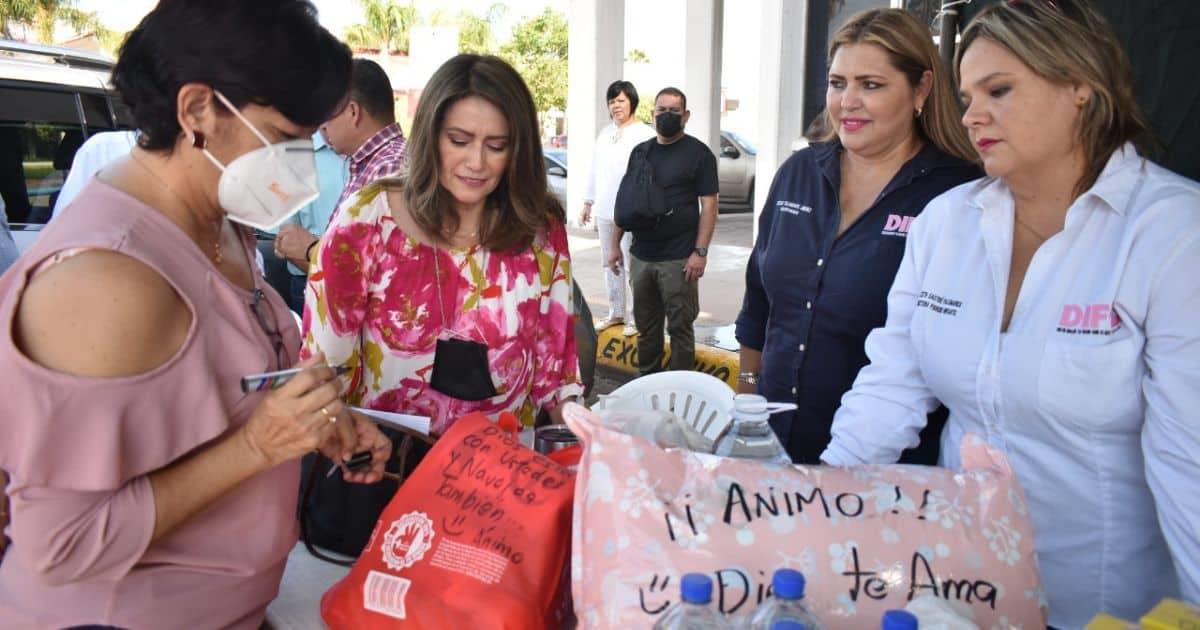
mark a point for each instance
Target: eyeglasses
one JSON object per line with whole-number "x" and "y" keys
{"x": 266, "y": 320}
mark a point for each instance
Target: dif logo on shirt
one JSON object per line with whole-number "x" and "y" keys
{"x": 1088, "y": 319}
{"x": 897, "y": 225}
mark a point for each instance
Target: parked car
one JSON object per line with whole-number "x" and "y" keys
{"x": 735, "y": 169}
{"x": 556, "y": 173}
{"x": 51, "y": 100}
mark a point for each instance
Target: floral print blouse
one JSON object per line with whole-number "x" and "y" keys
{"x": 372, "y": 305}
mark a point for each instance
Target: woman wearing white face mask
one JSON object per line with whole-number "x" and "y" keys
{"x": 147, "y": 489}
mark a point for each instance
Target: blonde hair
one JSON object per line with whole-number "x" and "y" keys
{"x": 1069, "y": 43}
{"x": 909, "y": 46}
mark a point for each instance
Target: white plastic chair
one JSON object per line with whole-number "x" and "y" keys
{"x": 700, "y": 400}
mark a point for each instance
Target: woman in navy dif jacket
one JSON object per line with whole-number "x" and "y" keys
{"x": 832, "y": 232}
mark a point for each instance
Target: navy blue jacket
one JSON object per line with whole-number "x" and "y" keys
{"x": 812, "y": 296}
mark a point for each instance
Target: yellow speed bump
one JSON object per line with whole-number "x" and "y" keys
{"x": 615, "y": 350}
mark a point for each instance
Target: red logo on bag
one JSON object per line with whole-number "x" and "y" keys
{"x": 407, "y": 540}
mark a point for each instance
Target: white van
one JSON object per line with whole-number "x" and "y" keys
{"x": 51, "y": 100}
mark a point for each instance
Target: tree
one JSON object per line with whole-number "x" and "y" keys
{"x": 538, "y": 50}
{"x": 388, "y": 27}
{"x": 637, "y": 55}
{"x": 475, "y": 33}
{"x": 16, "y": 12}
{"x": 41, "y": 16}
{"x": 111, "y": 41}
{"x": 645, "y": 109}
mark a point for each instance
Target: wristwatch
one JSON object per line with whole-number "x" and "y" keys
{"x": 702, "y": 251}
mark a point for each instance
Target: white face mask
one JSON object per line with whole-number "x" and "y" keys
{"x": 264, "y": 187}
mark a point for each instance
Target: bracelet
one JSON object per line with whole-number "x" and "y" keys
{"x": 749, "y": 378}
{"x": 308, "y": 252}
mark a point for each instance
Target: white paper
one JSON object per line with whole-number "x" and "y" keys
{"x": 419, "y": 424}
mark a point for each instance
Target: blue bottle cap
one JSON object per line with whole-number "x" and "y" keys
{"x": 899, "y": 620}
{"x": 788, "y": 584}
{"x": 696, "y": 588}
{"x": 788, "y": 624}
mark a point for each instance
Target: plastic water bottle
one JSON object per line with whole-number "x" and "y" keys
{"x": 693, "y": 612}
{"x": 787, "y": 605}
{"x": 751, "y": 436}
{"x": 899, "y": 620}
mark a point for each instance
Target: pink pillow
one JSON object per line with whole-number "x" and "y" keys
{"x": 867, "y": 538}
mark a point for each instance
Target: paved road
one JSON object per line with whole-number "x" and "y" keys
{"x": 721, "y": 287}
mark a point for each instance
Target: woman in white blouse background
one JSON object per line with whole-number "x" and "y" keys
{"x": 1051, "y": 306}
{"x": 609, "y": 161}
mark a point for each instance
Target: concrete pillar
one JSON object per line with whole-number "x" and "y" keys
{"x": 780, "y": 115}
{"x": 597, "y": 44}
{"x": 704, "y": 27}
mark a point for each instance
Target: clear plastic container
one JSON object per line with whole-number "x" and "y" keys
{"x": 899, "y": 620}
{"x": 694, "y": 611}
{"x": 750, "y": 435}
{"x": 787, "y": 605}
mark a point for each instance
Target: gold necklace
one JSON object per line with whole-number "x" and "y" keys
{"x": 217, "y": 256}
{"x": 1025, "y": 225}
{"x": 460, "y": 234}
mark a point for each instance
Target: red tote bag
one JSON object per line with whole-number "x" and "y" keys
{"x": 477, "y": 537}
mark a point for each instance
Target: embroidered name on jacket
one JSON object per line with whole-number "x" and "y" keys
{"x": 792, "y": 207}
{"x": 1088, "y": 319}
{"x": 897, "y": 225}
{"x": 939, "y": 304}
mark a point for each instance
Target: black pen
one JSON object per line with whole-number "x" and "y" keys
{"x": 357, "y": 462}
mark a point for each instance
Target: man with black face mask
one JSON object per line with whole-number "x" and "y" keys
{"x": 668, "y": 258}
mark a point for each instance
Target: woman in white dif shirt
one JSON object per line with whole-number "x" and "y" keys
{"x": 609, "y": 162}
{"x": 1052, "y": 307}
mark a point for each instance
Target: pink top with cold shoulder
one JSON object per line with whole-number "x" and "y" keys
{"x": 79, "y": 449}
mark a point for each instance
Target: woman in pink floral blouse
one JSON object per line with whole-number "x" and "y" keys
{"x": 447, "y": 289}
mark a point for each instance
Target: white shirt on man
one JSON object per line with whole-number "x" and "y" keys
{"x": 1093, "y": 392}
{"x": 94, "y": 154}
{"x": 610, "y": 159}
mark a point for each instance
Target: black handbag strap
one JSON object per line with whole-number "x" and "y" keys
{"x": 646, "y": 163}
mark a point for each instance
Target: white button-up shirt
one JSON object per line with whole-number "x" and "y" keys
{"x": 609, "y": 162}
{"x": 1093, "y": 392}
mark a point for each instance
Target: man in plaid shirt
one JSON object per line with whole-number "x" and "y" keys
{"x": 365, "y": 130}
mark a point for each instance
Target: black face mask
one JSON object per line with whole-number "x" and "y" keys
{"x": 460, "y": 370}
{"x": 668, "y": 124}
